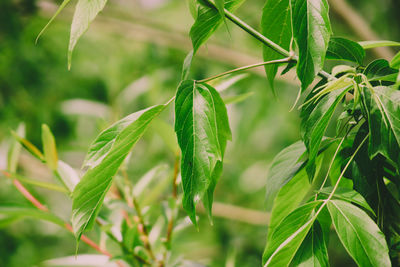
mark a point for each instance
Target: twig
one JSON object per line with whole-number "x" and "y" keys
{"x": 67, "y": 226}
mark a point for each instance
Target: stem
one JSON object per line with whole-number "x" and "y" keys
{"x": 67, "y": 226}
{"x": 142, "y": 228}
{"x": 260, "y": 37}
{"x": 283, "y": 60}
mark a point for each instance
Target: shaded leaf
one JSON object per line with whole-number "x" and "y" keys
{"x": 85, "y": 12}
{"x": 288, "y": 236}
{"x": 345, "y": 49}
{"x": 207, "y": 21}
{"x": 315, "y": 120}
{"x": 202, "y": 129}
{"x": 380, "y": 69}
{"x": 89, "y": 194}
{"x": 313, "y": 251}
{"x": 276, "y": 25}
{"x": 283, "y": 168}
{"x": 359, "y": 234}
{"x": 311, "y": 31}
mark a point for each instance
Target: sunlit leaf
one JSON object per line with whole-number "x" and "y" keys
{"x": 49, "y": 148}
{"x": 68, "y": 175}
{"x": 379, "y": 43}
{"x": 207, "y": 21}
{"x": 29, "y": 146}
{"x": 359, "y": 234}
{"x": 14, "y": 151}
{"x": 311, "y": 30}
{"x": 89, "y": 194}
{"x": 395, "y": 62}
{"x": 85, "y": 12}
{"x": 344, "y": 49}
{"x": 202, "y": 129}
{"x": 276, "y": 25}
{"x": 313, "y": 251}
{"x": 288, "y": 236}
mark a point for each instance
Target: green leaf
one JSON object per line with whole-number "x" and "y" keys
{"x": 89, "y": 194}
{"x": 17, "y": 213}
{"x": 85, "y": 12}
{"x": 288, "y": 236}
{"x": 49, "y": 148}
{"x": 63, "y": 4}
{"x": 207, "y": 21}
{"x": 315, "y": 120}
{"x": 313, "y": 251}
{"x": 344, "y": 49}
{"x": 237, "y": 98}
{"x": 67, "y": 175}
{"x": 380, "y": 43}
{"x": 359, "y": 234}
{"x": 104, "y": 142}
{"x": 29, "y": 146}
{"x": 15, "y": 150}
{"x": 348, "y": 195}
{"x": 383, "y": 109}
{"x": 220, "y": 4}
{"x": 311, "y": 31}
{"x": 395, "y": 63}
{"x": 193, "y": 8}
{"x": 187, "y": 63}
{"x": 380, "y": 70}
{"x": 202, "y": 129}
{"x": 276, "y": 25}
{"x": 283, "y": 168}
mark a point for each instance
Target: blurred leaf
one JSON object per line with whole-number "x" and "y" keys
{"x": 29, "y": 146}
{"x": 167, "y": 134}
{"x": 220, "y": 4}
{"x": 81, "y": 260}
{"x": 288, "y": 236}
{"x": 85, "y": 12}
{"x": 68, "y": 175}
{"x": 15, "y": 150}
{"x": 202, "y": 129}
{"x": 348, "y": 195}
{"x": 310, "y": 19}
{"x": 63, "y": 4}
{"x": 223, "y": 84}
{"x": 17, "y": 213}
{"x": 395, "y": 63}
{"x": 187, "y": 63}
{"x": 208, "y": 20}
{"x": 380, "y": 43}
{"x": 284, "y": 167}
{"x": 315, "y": 122}
{"x": 313, "y": 251}
{"x": 89, "y": 194}
{"x": 237, "y": 98}
{"x": 276, "y": 25}
{"x": 26, "y": 180}
{"x": 49, "y": 148}
{"x": 344, "y": 49}
{"x": 193, "y": 8}
{"x": 361, "y": 237}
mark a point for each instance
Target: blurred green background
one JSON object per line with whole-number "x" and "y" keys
{"x": 130, "y": 59}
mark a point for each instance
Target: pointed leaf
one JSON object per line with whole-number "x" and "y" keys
{"x": 15, "y": 150}
{"x": 359, "y": 234}
{"x": 314, "y": 123}
{"x": 29, "y": 146}
{"x": 380, "y": 69}
{"x": 49, "y": 148}
{"x": 202, "y": 129}
{"x": 284, "y": 167}
{"x": 379, "y": 43}
{"x": 85, "y": 12}
{"x": 68, "y": 175}
{"x": 345, "y": 49}
{"x": 313, "y": 251}
{"x": 395, "y": 63}
{"x": 288, "y": 236}
{"x": 89, "y": 194}
{"x": 17, "y": 213}
{"x": 311, "y": 31}
{"x": 207, "y": 21}
{"x": 276, "y": 25}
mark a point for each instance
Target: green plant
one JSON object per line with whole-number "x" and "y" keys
{"x": 358, "y": 194}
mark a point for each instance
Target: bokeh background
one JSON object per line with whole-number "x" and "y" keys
{"x": 130, "y": 59}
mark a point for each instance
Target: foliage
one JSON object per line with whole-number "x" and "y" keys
{"x": 357, "y": 194}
